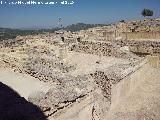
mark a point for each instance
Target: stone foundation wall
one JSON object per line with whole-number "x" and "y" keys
{"x": 139, "y": 46}
{"x": 130, "y": 35}
{"x": 140, "y": 35}
{"x": 99, "y": 48}
{"x": 154, "y": 61}
{"x": 109, "y": 78}
{"x": 12, "y": 43}
{"x": 112, "y": 48}
{"x": 70, "y": 40}
{"x": 104, "y": 83}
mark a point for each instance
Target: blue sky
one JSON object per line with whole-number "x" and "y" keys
{"x": 86, "y": 11}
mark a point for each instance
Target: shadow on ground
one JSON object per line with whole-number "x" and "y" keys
{"x": 15, "y": 107}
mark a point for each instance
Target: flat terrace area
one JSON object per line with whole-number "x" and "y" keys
{"x": 89, "y": 63}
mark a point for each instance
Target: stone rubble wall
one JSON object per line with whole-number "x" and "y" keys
{"x": 100, "y": 48}
{"x": 140, "y": 35}
{"x": 70, "y": 40}
{"x": 71, "y": 90}
{"x": 141, "y": 46}
{"x": 111, "y": 76}
{"x": 44, "y": 69}
{"x": 128, "y": 35}
{"x": 12, "y": 43}
{"x": 139, "y": 29}
{"x": 154, "y": 61}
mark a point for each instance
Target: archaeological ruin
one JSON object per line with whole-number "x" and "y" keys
{"x": 102, "y": 73}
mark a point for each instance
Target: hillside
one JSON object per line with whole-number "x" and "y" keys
{"x": 8, "y": 33}
{"x": 81, "y": 26}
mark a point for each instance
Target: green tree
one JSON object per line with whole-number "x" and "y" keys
{"x": 147, "y": 12}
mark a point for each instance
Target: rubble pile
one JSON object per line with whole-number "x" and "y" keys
{"x": 47, "y": 69}
{"x": 70, "y": 90}
{"x": 114, "y": 74}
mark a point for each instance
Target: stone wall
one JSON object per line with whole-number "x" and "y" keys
{"x": 154, "y": 61}
{"x": 141, "y": 35}
{"x": 141, "y": 46}
{"x": 107, "y": 79}
{"x": 70, "y": 39}
{"x": 12, "y": 43}
{"x": 130, "y": 35}
{"x": 100, "y": 48}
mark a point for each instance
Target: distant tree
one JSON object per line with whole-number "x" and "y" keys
{"x": 147, "y": 12}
